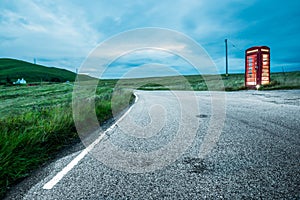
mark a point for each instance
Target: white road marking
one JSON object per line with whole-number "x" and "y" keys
{"x": 49, "y": 185}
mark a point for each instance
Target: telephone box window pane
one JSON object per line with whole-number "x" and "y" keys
{"x": 265, "y": 78}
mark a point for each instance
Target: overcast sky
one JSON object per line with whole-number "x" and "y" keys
{"x": 62, "y": 33}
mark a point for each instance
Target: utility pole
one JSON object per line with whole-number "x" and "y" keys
{"x": 226, "y": 49}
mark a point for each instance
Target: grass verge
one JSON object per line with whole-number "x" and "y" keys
{"x": 37, "y": 122}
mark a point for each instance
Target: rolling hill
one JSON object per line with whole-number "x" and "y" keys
{"x": 12, "y": 70}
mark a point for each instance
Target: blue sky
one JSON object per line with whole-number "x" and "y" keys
{"x": 62, "y": 33}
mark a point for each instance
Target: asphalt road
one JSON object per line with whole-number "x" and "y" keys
{"x": 234, "y": 145}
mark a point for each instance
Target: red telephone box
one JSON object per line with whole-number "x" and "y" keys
{"x": 257, "y": 66}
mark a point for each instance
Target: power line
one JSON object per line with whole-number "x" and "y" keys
{"x": 235, "y": 46}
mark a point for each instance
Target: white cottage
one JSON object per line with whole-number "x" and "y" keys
{"x": 22, "y": 81}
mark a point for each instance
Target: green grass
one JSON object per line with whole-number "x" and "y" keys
{"x": 37, "y": 122}
{"x": 234, "y": 82}
{"x": 287, "y": 80}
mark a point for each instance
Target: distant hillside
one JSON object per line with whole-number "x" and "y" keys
{"x": 12, "y": 70}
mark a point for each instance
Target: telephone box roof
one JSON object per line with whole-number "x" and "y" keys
{"x": 258, "y": 47}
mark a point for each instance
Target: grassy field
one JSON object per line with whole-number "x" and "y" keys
{"x": 234, "y": 82}
{"x": 36, "y": 122}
